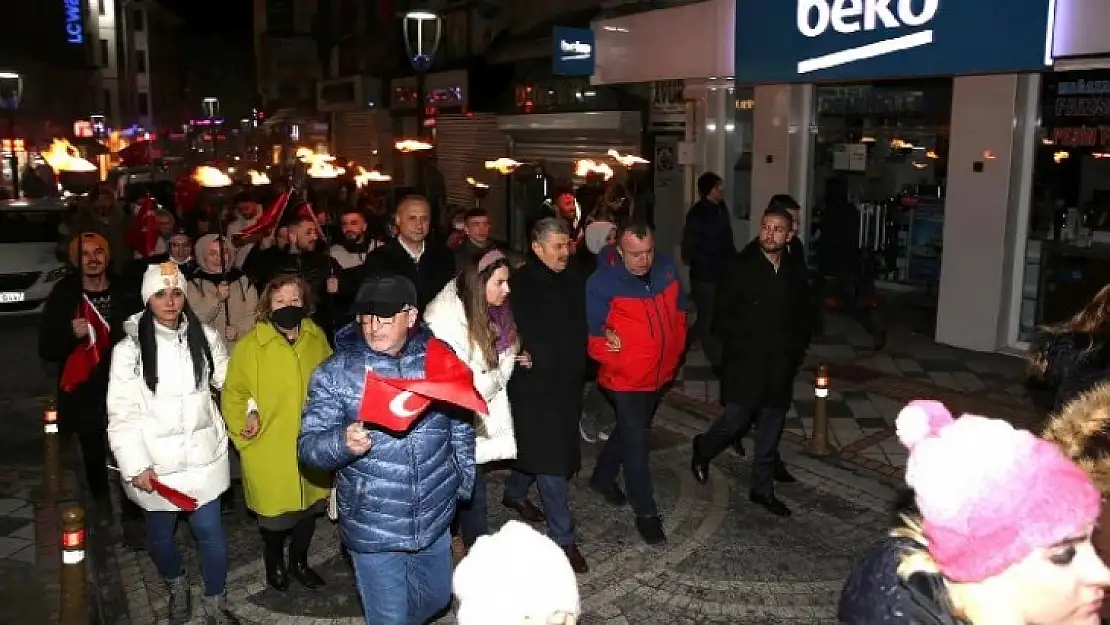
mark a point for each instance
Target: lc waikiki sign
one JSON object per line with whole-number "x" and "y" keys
{"x": 75, "y": 22}
{"x": 784, "y": 41}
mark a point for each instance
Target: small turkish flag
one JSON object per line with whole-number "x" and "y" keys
{"x": 143, "y": 234}
{"x": 84, "y": 358}
{"x": 397, "y": 403}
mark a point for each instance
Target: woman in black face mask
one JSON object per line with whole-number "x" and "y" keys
{"x": 267, "y": 384}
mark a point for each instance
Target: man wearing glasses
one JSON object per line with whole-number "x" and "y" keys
{"x": 396, "y": 490}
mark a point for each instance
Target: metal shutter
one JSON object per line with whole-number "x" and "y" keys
{"x": 356, "y": 136}
{"x": 464, "y": 142}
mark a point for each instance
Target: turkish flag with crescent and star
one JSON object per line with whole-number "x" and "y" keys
{"x": 84, "y": 358}
{"x": 397, "y": 403}
{"x": 143, "y": 234}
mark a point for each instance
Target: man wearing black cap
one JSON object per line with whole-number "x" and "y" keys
{"x": 396, "y": 491}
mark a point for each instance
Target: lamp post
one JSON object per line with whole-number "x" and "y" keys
{"x": 422, "y": 30}
{"x": 11, "y": 95}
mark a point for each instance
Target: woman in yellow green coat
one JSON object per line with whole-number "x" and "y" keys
{"x": 265, "y": 391}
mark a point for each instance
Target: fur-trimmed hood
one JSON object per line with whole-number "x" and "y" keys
{"x": 1082, "y": 430}
{"x": 1070, "y": 354}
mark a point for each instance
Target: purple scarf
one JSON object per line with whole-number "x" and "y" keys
{"x": 502, "y": 319}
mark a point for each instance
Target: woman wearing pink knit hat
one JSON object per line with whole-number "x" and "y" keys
{"x": 1002, "y": 535}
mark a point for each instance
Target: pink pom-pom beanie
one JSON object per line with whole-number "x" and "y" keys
{"x": 990, "y": 494}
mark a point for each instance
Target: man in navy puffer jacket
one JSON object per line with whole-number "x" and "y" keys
{"x": 396, "y": 492}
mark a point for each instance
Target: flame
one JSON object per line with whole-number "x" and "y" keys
{"x": 628, "y": 160}
{"x": 258, "y": 178}
{"x": 586, "y": 167}
{"x": 62, "y": 156}
{"x": 1060, "y": 157}
{"x": 211, "y": 177}
{"x": 412, "y": 145}
{"x": 477, "y": 184}
{"x": 319, "y": 165}
{"x": 503, "y": 165}
{"x": 363, "y": 177}
{"x": 931, "y": 154}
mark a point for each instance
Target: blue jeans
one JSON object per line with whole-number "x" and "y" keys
{"x": 473, "y": 515}
{"x": 208, "y": 531}
{"x": 627, "y": 448}
{"x": 554, "y": 491}
{"x": 404, "y": 587}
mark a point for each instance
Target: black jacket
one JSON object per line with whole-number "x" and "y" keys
{"x": 550, "y": 313}
{"x": 314, "y": 268}
{"x": 707, "y": 240}
{"x": 435, "y": 268}
{"x": 1074, "y": 362}
{"x": 85, "y": 409}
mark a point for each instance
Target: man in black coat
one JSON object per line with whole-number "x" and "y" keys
{"x": 706, "y": 247}
{"x": 549, "y": 305}
{"x": 315, "y": 266}
{"x": 763, "y": 318}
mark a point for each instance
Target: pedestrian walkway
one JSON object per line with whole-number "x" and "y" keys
{"x": 869, "y": 388}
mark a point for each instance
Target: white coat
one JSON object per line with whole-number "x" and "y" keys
{"x": 176, "y": 430}
{"x": 446, "y": 318}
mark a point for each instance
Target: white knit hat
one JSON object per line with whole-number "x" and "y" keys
{"x": 159, "y": 277}
{"x": 515, "y": 574}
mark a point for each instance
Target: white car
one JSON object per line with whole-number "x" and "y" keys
{"x": 29, "y": 265}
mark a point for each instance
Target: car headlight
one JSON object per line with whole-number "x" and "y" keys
{"x": 55, "y": 274}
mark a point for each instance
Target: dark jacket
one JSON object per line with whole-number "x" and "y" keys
{"x": 875, "y": 595}
{"x": 315, "y": 268}
{"x": 85, "y": 409}
{"x": 707, "y": 240}
{"x": 469, "y": 253}
{"x": 763, "y": 318}
{"x": 401, "y": 495}
{"x": 435, "y": 268}
{"x": 1074, "y": 362}
{"x": 550, "y": 313}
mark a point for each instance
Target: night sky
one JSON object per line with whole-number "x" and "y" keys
{"x": 225, "y": 16}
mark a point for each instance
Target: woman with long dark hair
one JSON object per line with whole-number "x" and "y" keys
{"x": 1074, "y": 355}
{"x": 164, "y": 427}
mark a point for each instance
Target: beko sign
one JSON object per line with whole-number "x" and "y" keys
{"x": 75, "y": 24}
{"x": 573, "y": 53}
{"x": 817, "y": 40}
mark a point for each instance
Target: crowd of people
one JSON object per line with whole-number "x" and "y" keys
{"x": 312, "y": 370}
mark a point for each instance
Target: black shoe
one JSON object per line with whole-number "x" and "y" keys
{"x": 770, "y": 503}
{"x": 738, "y": 446}
{"x": 612, "y": 493}
{"x": 273, "y": 556}
{"x": 227, "y": 503}
{"x": 298, "y": 554}
{"x": 651, "y": 529}
{"x": 699, "y": 464}
{"x": 525, "y": 508}
{"x": 781, "y": 475}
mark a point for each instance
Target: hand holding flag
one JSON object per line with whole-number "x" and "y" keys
{"x": 84, "y": 358}
{"x": 172, "y": 495}
{"x": 266, "y": 222}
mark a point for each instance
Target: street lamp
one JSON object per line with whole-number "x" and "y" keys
{"x": 11, "y": 95}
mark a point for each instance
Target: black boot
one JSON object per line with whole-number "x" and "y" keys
{"x": 273, "y": 555}
{"x": 298, "y": 553}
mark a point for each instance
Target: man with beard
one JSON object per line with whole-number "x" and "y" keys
{"x": 82, "y": 320}
{"x": 569, "y": 209}
{"x": 351, "y": 250}
{"x": 763, "y": 318}
{"x": 304, "y": 259}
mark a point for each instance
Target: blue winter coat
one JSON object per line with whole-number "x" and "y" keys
{"x": 401, "y": 495}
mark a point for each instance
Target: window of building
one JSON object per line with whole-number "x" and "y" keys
{"x": 138, "y": 20}
{"x": 739, "y": 133}
{"x": 105, "y": 54}
{"x": 140, "y": 61}
{"x": 144, "y": 104}
{"x": 1067, "y": 256}
{"x": 107, "y": 103}
{"x": 101, "y": 7}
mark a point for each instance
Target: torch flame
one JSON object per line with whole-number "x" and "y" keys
{"x": 319, "y": 165}
{"x": 586, "y": 167}
{"x": 477, "y": 184}
{"x": 258, "y": 178}
{"x": 62, "y": 156}
{"x": 210, "y": 177}
{"x": 503, "y": 165}
{"x": 628, "y": 160}
{"x": 364, "y": 177}
{"x": 412, "y": 145}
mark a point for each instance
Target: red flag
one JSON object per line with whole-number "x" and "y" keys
{"x": 82, "y": 361}
{"x": 138, "y": 154}
{"x": 174, "y": 496}
{"x": 143, "y": 234}
{"x": 267, "y": 221}
{"x": 396, "y": 403}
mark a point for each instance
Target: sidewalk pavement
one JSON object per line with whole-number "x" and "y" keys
{"x": 868, "y": 389}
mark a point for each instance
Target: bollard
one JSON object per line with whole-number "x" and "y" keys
{"x": 52, "y": 453}
{"x": 74, "y": 605}
{"x": 818, "y": 444}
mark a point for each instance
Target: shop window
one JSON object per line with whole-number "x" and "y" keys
{"x": 1067, "y": 258}
{"x": 140, "y": 61}
{"x": 143, "y": 104}
{"x": 738, "y": 149}
{"x": 880, "y": 163}
{"x": 105, "y": 55}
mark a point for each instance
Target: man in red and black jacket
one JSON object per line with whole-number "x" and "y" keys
{"x": 636, "y": 313}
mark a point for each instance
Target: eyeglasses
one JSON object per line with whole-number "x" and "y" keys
{"x": 385, "y": 321}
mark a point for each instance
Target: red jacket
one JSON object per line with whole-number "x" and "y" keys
{"x": 649, "y": 317}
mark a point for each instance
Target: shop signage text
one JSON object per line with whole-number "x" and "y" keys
{"x": 1081, "y": 136}
{"x": 75, "y": 25}
{"x": 822, "y": 40}
{"x": 573, "y": 53}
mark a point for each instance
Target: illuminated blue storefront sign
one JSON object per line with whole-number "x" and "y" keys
{"x": 574, "y": 51}
{"x": 818, "y": 40}
{"x": 75, "y": 23}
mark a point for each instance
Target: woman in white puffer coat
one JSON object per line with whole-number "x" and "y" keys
{"x": 163, "y": 424}
{"x": 472, "y": 315}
